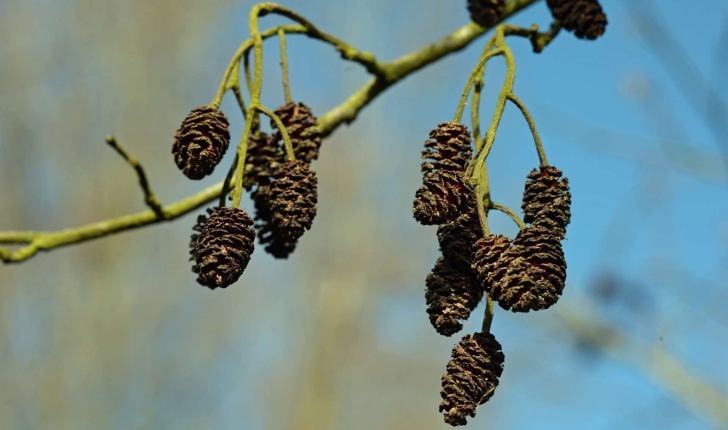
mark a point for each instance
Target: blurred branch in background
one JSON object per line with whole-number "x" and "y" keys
{"x": 693, "y": 392}
{"x": 696, "y": 88}
{"x": 607, "y": 142}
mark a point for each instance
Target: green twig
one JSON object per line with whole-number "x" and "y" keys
{"x": 226, "y": 182}
{"x": 284, "y": 66}
{"x": 532, "y": 125}
{"x": 488, "y": 317}
{"x": 487, "y": 55}
{"x": 506, "y": 210}
{"x": 149, "y": 198}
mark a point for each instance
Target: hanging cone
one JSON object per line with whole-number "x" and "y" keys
{"x": 547, "y": 200}
{"x": 268, "y": 235}
{"x": 486, "y": 12}
{"x": 302, "y": 128}
{"x": 531, "y": 274}
{"x": 471, "y": 378}
{"x": 443, "y": 197}
{"x": 584, "y": 17}
{"x": 293, "y": 198}
{"x": 201, "y": 142}
{"x": 487, "y": 251}
{"x": 451, "y": 295}
{"x": 448, "y": 148}
{"x": 223, "y": 247}
{"x": 261, "y": 160}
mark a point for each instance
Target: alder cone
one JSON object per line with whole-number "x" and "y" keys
{"x": 268, "y": 235}
{"x": 223, "y": 248}
{"x": 302, "y": 128}
{"x": 485, "y": 12}
{"x": 584, "y": 17}
{"x": 448, "y": 148}
{"x": 201, "y": 142}
{"x": 471, "y": 378}
{"x": 457, "y": 238}
{"x": 293, "y": 198}
{"x": 547, "y": 200}
{"x": 451, "y": 295}
{"x": 531, "y": 274}
{"x": 261, "y": 159}
{"x": 487, "y": 252}
{"x": 442, "y": 198}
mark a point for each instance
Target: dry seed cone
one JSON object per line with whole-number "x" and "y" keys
{"x": 223, "y": 248}
{"x": 261, "y": 160}
{"x": 442, "y": 198}
{"x": 485, "y": 12}
{"x": 451, "y": 295}
{"x": 201, "y": 142}
{"x": 457, "y": 238}
{"x": 293, "y": 198}
{"x": 531, "y": 274}
{"x": 471, "y": 378}
{"x": 487, "y": 252}
{"x": 584, "y": 17}
{"x": 275, "y": 244}
{"x": 301, "y": 125}
{"x": 448, "y": 148}
{"x": 547, "y": 200}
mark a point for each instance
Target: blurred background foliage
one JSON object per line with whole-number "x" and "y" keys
{"x": 116, "y": 334}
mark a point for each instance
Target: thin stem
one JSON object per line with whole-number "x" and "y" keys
{"x": 481, "y": 183}
{"x": 488, "y": 317}
{"x": 149, "y": 198}
{"x": 284, "y": 66}
{"x": 532, "y": 125}
{"x": 234, "y": 84}
{"x": 506, "y": 210}
{"x": 290, "y": 155}
{"x": 246, "y": 63}
{"x": 49, "y": 240}
{"x": 510, "y": 79}
{"x": 475, "y": 110}
{"x": 473, "y": 74}
{"x": 226, "y": 182}
{"x": 242, "y": 153}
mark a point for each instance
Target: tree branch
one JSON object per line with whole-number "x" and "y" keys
{"x": 386, "y": 75}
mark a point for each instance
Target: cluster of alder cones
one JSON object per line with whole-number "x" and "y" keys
{"x": 522, "y": 274}
{"x": 584, "y": 17}
{"x": 284, "y": 190}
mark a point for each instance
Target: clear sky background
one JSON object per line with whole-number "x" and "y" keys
{"x": 116, "y": 333}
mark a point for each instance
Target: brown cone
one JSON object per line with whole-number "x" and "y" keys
{"x": 451, "y": 295}
{"x": 487, "y": 251}
{"x": 584, "y": 17}
{"x": 268, "y": 235}
{"x": 531, "y": 274}
{"x": 547, "y": 200}
{"x": 443, "y": 197}
{"x": 448, "y": 148}
{"x": 261, "y": 160}
{"x": 201, "y": 142}
{"x": 485, "y": 12}
{"x": 471, "y": 378}
{"x": 457, "y": 238}
{"x": 293, "y": 198}
{"x": 223, "y": 248}
{"x": 302, "y": 127}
